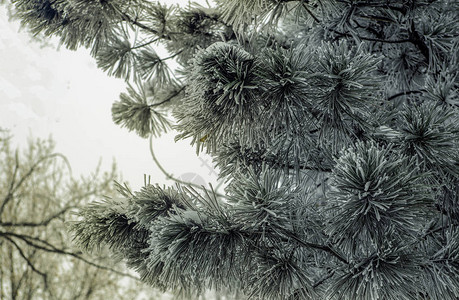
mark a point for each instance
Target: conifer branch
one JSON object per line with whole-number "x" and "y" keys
{"x": 310, "y": 12}
{"x": 127, "y": 18}
{"x": 273, "y": 103}
{"x": 323, "y": 279}
{"x": 405, "y": 93}
{"x": 327, "y": 248}
{"x": 401, "y": 41}
{"x": 145, "y": 44}
{"x": 416, "y": 39}
{"x": 168, "y": 99}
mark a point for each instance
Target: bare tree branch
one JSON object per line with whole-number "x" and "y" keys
{"x": 13, "y": 188}
{"x": 9, "y": 195}
{"x": 53, "y": 249}
{"x": 45, "y": 222}
{"x": 28, "y": 261}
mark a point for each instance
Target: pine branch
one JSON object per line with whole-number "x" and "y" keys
{"x": 416, "y": 39}
{"x": 310, "y": 12}
{"x": 401, "y": 41}
{"x": 168, "y": 99}
{"x": 370, "y": 231}
{"x": 404, "y": 93}
{"x": 438, "y": 229}
{"x": 145, "y": 44}
{"x": 324, "y": 278}
{"x": 127, "y": 18}
{"x": 382, "y": 4}
{"x": 327, "y": 248}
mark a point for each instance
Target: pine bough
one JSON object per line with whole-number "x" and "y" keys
{"x": 333, "y": 123}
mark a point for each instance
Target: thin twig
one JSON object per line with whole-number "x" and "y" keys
{"x": 310, "y": 13}
{"x": 34, "y": 224}
{"x": 372, "y": 39}
{"x": 404, "y": 93}
{"x": 145, "y": 44}
{"x": 171, "y": 177}
{"x": 326, "y": 248}
{"x": 13, "y": 188}
{"x": 291, "y": 167}
{"x": 172, "y": 56}
{"x": 169, "y": 98}
{"x": 323, "y": 279}
{"x": 432, "y": 231}
{"x": 127, "y": 18}
{"x": 9, "y": 195}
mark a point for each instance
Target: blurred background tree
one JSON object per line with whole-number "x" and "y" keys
{"x": 37, "y": 257}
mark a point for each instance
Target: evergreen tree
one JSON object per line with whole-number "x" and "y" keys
{"x": 334, "y": 124}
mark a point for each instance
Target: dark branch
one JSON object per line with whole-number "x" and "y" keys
{"x": 53, "y": 249}
{"x": 323, "y": 279}
{"x": 128, "y": 19}
{"x": 293, "y": 167}
{"x": 372, "y": 39}
{"x": 9, "y": 195}
{"x": 404, "y": 93}
{"x": 326, "y": 248}
{"x": 29, "y": 263}
{"x": 169, "y": 98}
{"x": 34, "y": 224}
{"x": 438, "y": 229}
{"x": 13, "y": 188}
{"x": 310, "y": 13}
{"x": 145, "y": 44}
{"x": 416, "y": 39}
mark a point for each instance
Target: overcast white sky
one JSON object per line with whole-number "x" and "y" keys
{"x": 62, "y": 94}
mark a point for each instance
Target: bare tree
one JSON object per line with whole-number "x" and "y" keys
{"x": 37, "y": 260}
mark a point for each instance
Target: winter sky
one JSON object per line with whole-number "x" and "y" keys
{"x": 45, "y": 92}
